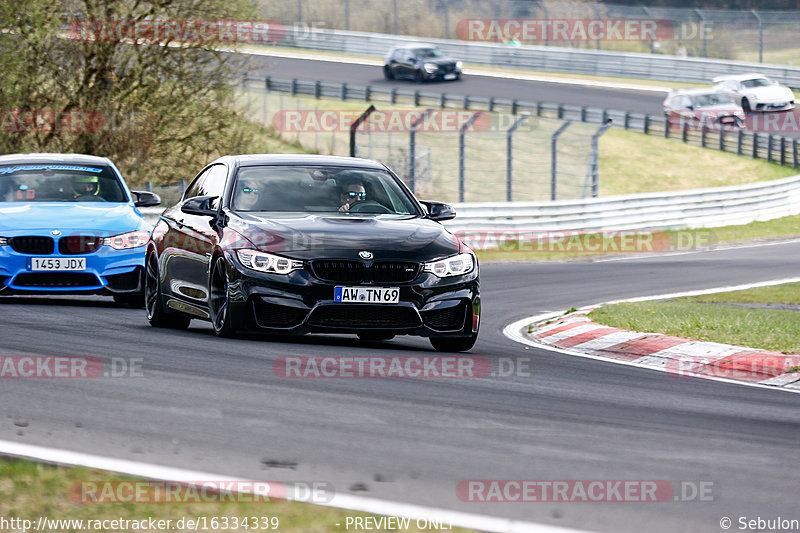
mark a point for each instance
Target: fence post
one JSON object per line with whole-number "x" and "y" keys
{"x": 416, "y": 97}
{"x": 442, "y": 100}
{"x": 702, "y": 29}
{"x": 514, "y": 107}
{"x": 627, "y": 119}
{"x": 783, "y": 150}
{"x": 593, "y": 168}
{"x": 293, "y": 88}
{"x": 721, "y": 139}
{"x": 646, "y": 127}
{"x": 461, "y": 141}
{"x": 666, "y": 126}
{"x": 685, "y": 132}
{"x": 354, "y": 126}
{"x": 344, "y": 91}
{"x": 739, "y": 142}
{"x": 703, "y": 136}
{"x": 794, "y": 152}
{"x": 393, "y": 95}
{"x": 317, "y": 89}
{"x": 755, "y": 145}
{"x": 367, "y": 91}
{"x": 769, "y": 148}
{"x": 509, "y": 155}
{"x": 412, "y": 148}
{"x": 760, "y": 35}
{"x": 466, "y": 102}
{"x": 553, "y": 162}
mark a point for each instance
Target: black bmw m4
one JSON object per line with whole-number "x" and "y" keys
{"x": 300, "y": 244}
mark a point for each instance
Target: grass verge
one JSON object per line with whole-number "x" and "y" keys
{"x": 694, "y": 318}
{"x": 30, "y": 490}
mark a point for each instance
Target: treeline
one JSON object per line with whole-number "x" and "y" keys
{"x": 782, "y": 5}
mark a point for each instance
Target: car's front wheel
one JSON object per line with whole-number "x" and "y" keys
{"x": 219, "y": 301}
{"x": 453, "y": 344}
{"x": 157, "y": 314}
{"x": 418, "y": 77}
{"x": 746, "y": 105}
{"x": 387, "y": 72}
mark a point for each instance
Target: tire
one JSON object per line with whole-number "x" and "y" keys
{"x": 370, "y": 336}
{"x": 418, "y": 76}
{"x": 453, "y": 344}
{"x": 135, "y": 300}
{"x": 746, "y": 105}
{"x": 387, "y": 72}
{"x": 219, "y": 302}
{"x": 157, "y": 314}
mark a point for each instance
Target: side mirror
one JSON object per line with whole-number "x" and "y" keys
{"x": 439, "y": 211}
{"x": 146, "y": 199}
{"x": 199, "y": 205}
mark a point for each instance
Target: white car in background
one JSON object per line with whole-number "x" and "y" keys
{"x": 756, "y": 92}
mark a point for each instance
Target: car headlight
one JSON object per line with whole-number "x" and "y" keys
{"x": 3, "y": 241}
{"x": 455, "y": 265}
{"x": 430, "y": 68}
{"x": 124, "y": 241}
{"x": 264, "y": 262}
{"x": 459, "y": 64}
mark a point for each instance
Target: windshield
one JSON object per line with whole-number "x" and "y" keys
{"x": 56, "y": 182}
{"x": 757, "y": 82}
{"x": 319, "y": 189}
{"x": 425, "y": 53}
{"x": 706, "y": 100}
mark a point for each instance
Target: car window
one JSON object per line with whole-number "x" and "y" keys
{"x": 426, "y": 53}
{"x": 317, "y": 189}
{"x": 59, "y": 182}
{"x": 711, "y": 99}
{"x": 194, "y": 187}
{"x": 214, "y": 184}
{"x": 756, "y": 82}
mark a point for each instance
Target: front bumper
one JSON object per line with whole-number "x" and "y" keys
{"x": 108, "y": 271}
{"x": 299, "y": 303}
{"x": 773, "y": 105}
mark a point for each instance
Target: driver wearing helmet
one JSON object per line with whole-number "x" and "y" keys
{"x": 85, "y": 188}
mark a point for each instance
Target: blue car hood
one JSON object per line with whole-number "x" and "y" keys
{"x": 105, "y": 219}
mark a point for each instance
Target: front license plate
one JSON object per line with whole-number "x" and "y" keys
{"x": 450, "y": 76}
{"x": 367, "y": 295}
{"x": 57, "y": 263}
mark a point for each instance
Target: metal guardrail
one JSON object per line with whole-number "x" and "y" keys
{"x": 699, "y": 208}
{"x": 770, "y": 147}
{"x": 596, "y": 62}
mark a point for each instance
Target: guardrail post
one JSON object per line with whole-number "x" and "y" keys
{"x": 393, "y": 95}
{"x": 769, "y": 148}
{"x": 627, "y": 120}
{"x": 560, "y": 111}
{"x": 583, "y": 113}
{"x": 491, "y": 104}
{"x": 538, "y": 109}
{"x": 344, "y": 91}
{"x": 416, "y": 97}
{"x": 755, "y": 145}
{"x": 794, "y": 152}
{"x": 354, "y": 126}
{"x": 443, "y": 100}
{"x": 317, "y": 89}
{"x": 604, "y": 117}
{"x": 666, "y": 127}
{"x": 461, "y": 156}
{"x": 685, "y": 132}
{"x": 721, "y": 139}
{"x": 783, "y": 150}
{"x": 703, "y": 136}
{"x": 367, "y": 91}
{"x": 514, "y": 107}
{"x": 509, "y": 155}
{"x": 466, "y": 102}
{"x": 267, "y": 81}
{"x": 293, "y": 89}
{"x": 739, "y": 142}
{"x": 646, "y": 127}
{"x": 412, "y": 148}
{"x": 553, "y": 158}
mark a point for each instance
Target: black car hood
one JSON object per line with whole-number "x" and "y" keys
{"x": 344, "y": 236}
{"x": 441, "y": 61}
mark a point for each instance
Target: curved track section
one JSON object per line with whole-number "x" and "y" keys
{"x": 204, "y": 403}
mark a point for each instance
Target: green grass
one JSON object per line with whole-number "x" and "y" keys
{"x": 757, "y": 328}
{"x": 29, "y": 490}
{"x": 788, "y": 293}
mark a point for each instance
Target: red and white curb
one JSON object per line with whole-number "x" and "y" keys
{"x": 575, "y": 334}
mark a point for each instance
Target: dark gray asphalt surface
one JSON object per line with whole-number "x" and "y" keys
{"x": 484, "y": 86}
{"x": 215, "y": 405}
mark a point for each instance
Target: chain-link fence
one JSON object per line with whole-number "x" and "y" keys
{"x": 449, "y": 154}
{"x": 755, "y": 35}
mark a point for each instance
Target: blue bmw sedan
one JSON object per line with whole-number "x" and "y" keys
{"x": 70, "y": 225}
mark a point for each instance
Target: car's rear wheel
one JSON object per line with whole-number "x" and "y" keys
{"x": 746, "y": 105}
{"x": 371, "y": 336}
{"x": 219, "y": 301}
{"x": 387, "y": 72}
{"x": 157, "y": 314}
{"x": 454, "y": 344}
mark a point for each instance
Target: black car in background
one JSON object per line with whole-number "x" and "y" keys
{"x": 300, "y": 243}
{"x": 420, "y": 62}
